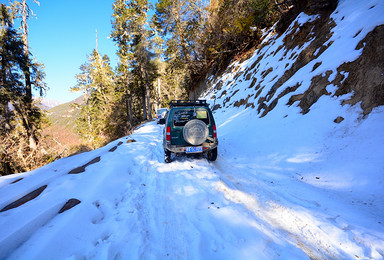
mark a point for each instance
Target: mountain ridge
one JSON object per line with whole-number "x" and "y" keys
{"x": 46, "y": 103}
{"x": 61, "y": 131}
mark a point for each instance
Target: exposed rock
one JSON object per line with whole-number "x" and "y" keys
{"x": 323, "y": 26}
{"x": 316, "y": 65}
{"x": 339, "y": 119}
{"x": 69, "y": 204}
{"x": 242, "y": 102}
{"x": 113, "y": 149}
{"x": 366, "y": 74}
{"x": 215, "y": 107}
{"x": 82, "y": 168}
{"x": 314, "y": 92}
{"x": 30, "y": 196}
{"x": 16, "y": 180}
{"x": 363, "y": 77}
{"x": 316, "y": 6}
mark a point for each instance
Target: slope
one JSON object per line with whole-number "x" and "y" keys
{"x": 60, "y": 133}
{"x": 65, "y": 114}
{"x": 325, "y": 54}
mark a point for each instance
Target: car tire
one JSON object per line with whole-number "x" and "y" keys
{"x": 167, "y": 156}
{"x": 212, "y": 155}
{"x": 195, "y": 132}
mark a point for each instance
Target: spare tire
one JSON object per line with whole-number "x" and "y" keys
{"x": 195, "y": 132}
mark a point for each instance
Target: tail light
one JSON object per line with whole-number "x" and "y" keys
{"x": 168, "y": 134}
{"x": 214, "y": 131}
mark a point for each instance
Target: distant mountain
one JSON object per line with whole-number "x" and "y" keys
{"x": 46, "y": 103}
{"x": 65, "y": 114}
{"x": 62, "y": 120}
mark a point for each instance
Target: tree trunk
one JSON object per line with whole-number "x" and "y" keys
{"x": 159, "y": 93}
{"x": 27, "y": 74}
{"x": 143, "y": 95}
{"x": 29, "y": 128}
{"x": 5, "y": 99}
{"x": 7, "y": 117}
{"x": 148, "y": 94}
{"x": 144, "y": 91}
{"x": 128, "y": 105}
{"x": 31, "y": 131}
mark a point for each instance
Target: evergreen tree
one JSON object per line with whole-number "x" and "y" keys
{"x": 202, "y": 35}
{"x": 122, "y": 39}
{"x": 96, "y": 81}
{"x": 20, "y": 117}
{"x": 130, "y": 31}
{"x": 24, "y": 12}
{"x": 182, "y": 24}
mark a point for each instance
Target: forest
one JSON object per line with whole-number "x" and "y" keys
{"x": 161, "y": 57}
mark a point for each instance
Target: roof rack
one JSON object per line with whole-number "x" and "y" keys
{"x": 185, "y": 103}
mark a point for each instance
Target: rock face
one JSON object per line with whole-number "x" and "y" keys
{"x": 366, "y": 74}
{"x": 339, "y": 119}
{"x": 338, "y": 53}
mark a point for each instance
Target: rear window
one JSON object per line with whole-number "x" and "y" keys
{"x": 181, "y": 117}
{"x": 161, "y": 110}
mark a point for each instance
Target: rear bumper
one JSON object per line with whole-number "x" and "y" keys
{"x": 181, "y": 148}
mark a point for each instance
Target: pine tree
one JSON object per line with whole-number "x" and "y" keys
{"x": 24, "y": 12}
{"x": 96, "y": 81}
{"x": 182, "y": 24}
{"x": 203, "y": 36}
{"x": 20, "y": 117}
{"x": 130, "y": 31}
{"x": 122, "y": 39}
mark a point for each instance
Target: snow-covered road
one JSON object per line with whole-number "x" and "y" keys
{"x": 134, "y": 206}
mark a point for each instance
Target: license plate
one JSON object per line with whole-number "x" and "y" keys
{"x": 194, "y": 149}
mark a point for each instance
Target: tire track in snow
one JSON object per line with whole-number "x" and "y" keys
{"x": 183, "y": 216}
{"x": 316, "y": 237}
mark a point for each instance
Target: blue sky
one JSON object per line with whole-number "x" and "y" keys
{"x": 63, "y": 34}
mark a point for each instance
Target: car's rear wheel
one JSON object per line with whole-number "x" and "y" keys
{"x": 212, "y": 154}
{"x": 167, "y": 156}
{"x": 195, "y": 132}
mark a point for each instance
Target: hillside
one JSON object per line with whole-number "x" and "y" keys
{"x": 299, "y": 173}
{"x": 335, "y": 54}
{"x": 65, "y": 114}
{"x": 62, "y": 127}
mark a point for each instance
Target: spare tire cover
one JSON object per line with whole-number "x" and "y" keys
{"x": 195, "y": 132}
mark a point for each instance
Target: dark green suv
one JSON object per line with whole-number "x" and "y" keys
{"x": 189, "y": 128}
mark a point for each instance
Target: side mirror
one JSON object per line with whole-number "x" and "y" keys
{"x": 162, "y": 121}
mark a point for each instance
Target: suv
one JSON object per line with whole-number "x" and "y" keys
{"x": 189, "y": 128}
{"x": 160, "y": 113}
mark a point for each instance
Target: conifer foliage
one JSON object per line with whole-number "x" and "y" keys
{"x": 137, "y": 70}
{"x": 96, "y": 81}
{"x": 20, "y": 118}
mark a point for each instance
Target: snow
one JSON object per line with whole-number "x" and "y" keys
{"x": 46, "y": 103}
{"x": 284, "y": 186}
